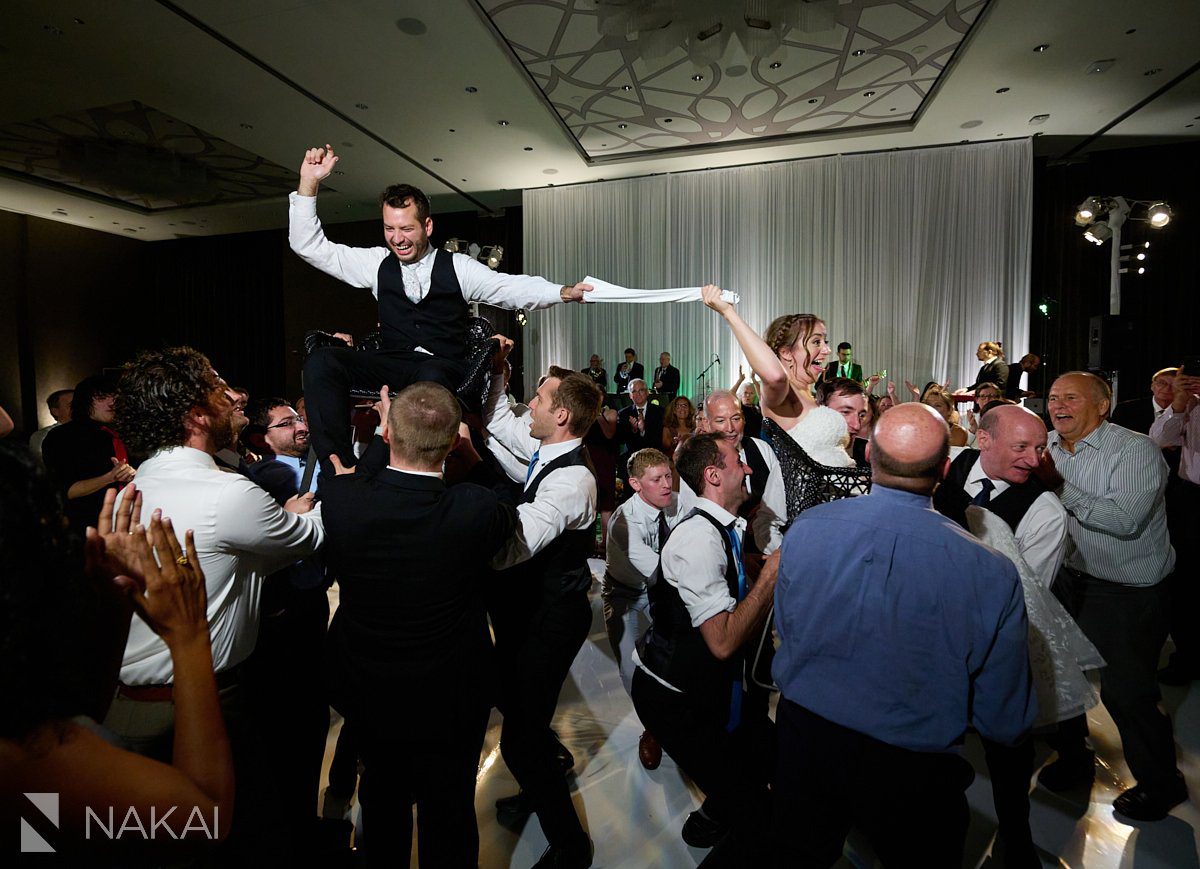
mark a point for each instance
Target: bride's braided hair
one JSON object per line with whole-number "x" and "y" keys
{"x": 785, "y": 331}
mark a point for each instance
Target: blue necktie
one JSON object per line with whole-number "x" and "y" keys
{"x": 735, "y": 699}
{"x": 985, "y": 493}
{"x": 532, "y": 464}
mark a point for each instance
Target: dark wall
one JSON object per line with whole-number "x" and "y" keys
{"x": 74, "y": 301}
{"x": 1160, "y": 310}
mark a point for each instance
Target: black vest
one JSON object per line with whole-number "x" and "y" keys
{"x": 758, "y": 477}
{"x": 952, "y": 500}
{"x": 676, "y": 652}
{"x": 562, "y": 567}
{"x": 438, "y": 323}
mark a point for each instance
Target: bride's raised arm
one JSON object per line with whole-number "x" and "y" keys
{"x": 775, "y": 385}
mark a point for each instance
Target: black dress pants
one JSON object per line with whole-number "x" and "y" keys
{"x": 426, "y": 752}
{"x": 732, "y": 768}
{"x": 830, "y": 777}
{"x": 330, "y": 372}
{"x": 1128, "y": 626}
{"x": 532, "y": 678}
{"x": 1183, "y": 520}
{"x": 1011, "y": 768}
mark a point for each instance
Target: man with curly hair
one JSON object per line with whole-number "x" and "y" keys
{"x": 174, "y": 409}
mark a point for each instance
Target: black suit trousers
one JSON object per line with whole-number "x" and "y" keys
{"x": 330, "y": 372}
{"x": 830, "y": 777}
{"x": 532, "y": 679}
{"x": 426, "y": 751}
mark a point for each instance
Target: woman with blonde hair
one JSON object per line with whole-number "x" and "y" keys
{"x": 937, "y": 398}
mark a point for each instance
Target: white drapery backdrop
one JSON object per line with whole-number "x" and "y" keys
{"x": 914, "y": 257}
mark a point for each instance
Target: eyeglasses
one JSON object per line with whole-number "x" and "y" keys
{"x": 290, "y": 422}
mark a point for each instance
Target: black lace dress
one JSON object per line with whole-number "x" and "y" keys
{"x": 806, "y": 482}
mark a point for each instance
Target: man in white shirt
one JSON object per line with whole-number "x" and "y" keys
{"x": 423, "y": 298}
{"x": 689, "y": 688}
{"x": 1177, "y": 431}
{"x": 59, "y": 403}
{"x": 548, "y": 556}
{"x": 765, "y": 507}
{"x": 173, "y": 407}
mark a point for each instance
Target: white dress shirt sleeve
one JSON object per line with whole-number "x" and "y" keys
{"x": 1167, "y": 430}
{"x": 771, "y": 515}
{"x": 481, "y": 284}
{"x": 356, "y": 266}
{"x": 694, "y": 562}
{"x": 250, "y": 520}
{"x": 1042, "y": 537}
{"x": 565, "y": 501}
{"x": 630, "y": 550}
{"x": 510, "y": 430}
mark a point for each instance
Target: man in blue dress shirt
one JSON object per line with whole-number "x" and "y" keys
{"x": 891, "y": 648}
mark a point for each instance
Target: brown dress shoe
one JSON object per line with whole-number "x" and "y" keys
{"x": 649, "y": 751}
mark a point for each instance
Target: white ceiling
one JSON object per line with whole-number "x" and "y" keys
{"x": 272, "y": 77}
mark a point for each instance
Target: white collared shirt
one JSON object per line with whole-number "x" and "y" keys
{"x": 359, "y": 266}
{"x": 633, "y": 546}
{"x": 566, "y": 498}
{"x": 772, "y": 510}
{"x": 1182, "y": 430}
{"x": 242, "y": 535}
{"x": 1042, "y": 532}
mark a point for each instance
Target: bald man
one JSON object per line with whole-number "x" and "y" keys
{"x": 885, "y": 662}
{"x": 1112, "y": 483}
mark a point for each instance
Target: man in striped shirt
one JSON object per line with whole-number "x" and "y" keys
{"x": 1111, "y": 481}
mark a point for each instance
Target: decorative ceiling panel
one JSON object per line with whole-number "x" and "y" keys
{"x": 134, "y": 155}
{"x": 634, "y": 77}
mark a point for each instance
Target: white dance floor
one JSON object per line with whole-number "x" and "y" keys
{"x": 634, "y": 816}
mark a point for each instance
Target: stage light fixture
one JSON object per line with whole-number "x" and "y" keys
{"x": 455, "y": 245}
{"x": 1087, "y": 211}
{"x": 1142, "y": 270}
{"x": 1159, "y": 214}
{"x": 491, "y": 255}
{"x": 1098, "y": 233}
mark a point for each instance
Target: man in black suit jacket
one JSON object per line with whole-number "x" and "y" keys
{"x": 844, "y": 366}
{"x": 638, "y": 426}
{"x": 287, "y": 709}
{"x": 627, "y": 371}
{"x": 666, "y": 379}
{"x": 1139, "y": 414}
{"x": 409, "y": 655}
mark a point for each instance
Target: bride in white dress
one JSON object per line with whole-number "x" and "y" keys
{"x": 789, "y": 361}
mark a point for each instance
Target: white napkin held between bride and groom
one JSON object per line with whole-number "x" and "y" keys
{"x": 605, "y": 292}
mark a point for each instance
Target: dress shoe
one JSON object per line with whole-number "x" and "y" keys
{"x": 1176, "y": 674}
{"x": 701, "y": 831}
{"x": 564, "y": 759}
{"x": 649, "y": 751}
{"x": 577, "y": 856}
{"x": 1141, "y": 804}
{"x": 1069, "y": 773}
{"x": 514, "y": 808}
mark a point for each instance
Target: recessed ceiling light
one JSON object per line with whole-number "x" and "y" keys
{"x": 667, "y": 120}
{"x": 891, "y": 109}
{"x": 970, "y": 125}
{"x": 452, "y": 130}
{"x": 622, "y": 126}
{"x": 463, "y": 180}
{"x": 471, "y": 89}
{"x": 963, "y": 141}
{"x": 360, "y": 105}
{"x": 80, "y": 21}
{"x": 697, "y": 77}
{"x": 1131, "y": 31}
{"x": 868, "y": 93}
{"x": 860, "y": 52}
{"x": 437, "y": 159}
{"x": 813, "y": 100}
{"x": 412, "y": 26}
{"x": 1002, "y": 90}
{"x": 502, "y": 123}
{"x": 338, "y": 172}
{"x": 1038, "y": 120}
{"x": 1185, "y": 126}
{"x": 50, "y": 28}
{"x": 1098, "y": 66}
{"x": 626, "y": 87}
{"x": 1041, "y": 48}
{"x": 776, "y": 65}
{"x": 549, "y": 171}
{"x": 247, "y": 126}
{"x": 1155, "y": 71}
{"x": 527, "y": 148}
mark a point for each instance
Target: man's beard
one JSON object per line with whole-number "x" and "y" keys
{"x": 221, "y": 433}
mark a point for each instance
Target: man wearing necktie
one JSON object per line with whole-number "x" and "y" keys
{"x": 844, "y": 366}
{"x": 639, "y": 425}
{"x": 999, "y": 477}
{"x": 287, "y": 705}
{"x": 547, "y": 569}
{"x": 689, "y": 688}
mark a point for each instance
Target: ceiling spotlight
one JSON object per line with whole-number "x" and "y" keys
{"x": 471, "y": 89}
{"x": 776, "y": 65}
{"x": 1159, "y": 214}
{"x": 491, "y": 255}
{"x": 502, "y": 123}
{"x": 697, "y": 77}
{"x": 1141, "y": 255}
{"x": 1045, "y": 309}
{"x": 859, "y": 52}
{"x": 1038, "y": 120}
{"x": 1142, "y": 270}
{"x": 1041, "y": 48}
{"x": 1087, "y": 211}
{"x": 1098, "y": 233}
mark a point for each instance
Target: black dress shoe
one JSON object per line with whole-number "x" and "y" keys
{"x": 701, "y": 831}
{"x": 1069, "y": 773}
{"x": 516, "y": 807}
{"x": 1140, "y": 804}
{"x": 577, "y": 856}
